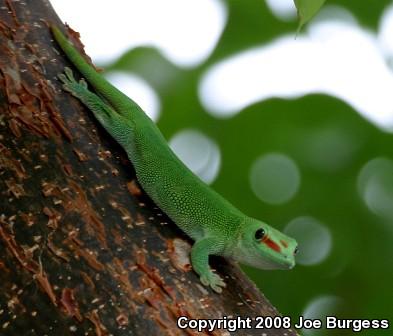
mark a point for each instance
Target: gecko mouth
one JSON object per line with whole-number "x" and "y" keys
{"x": 280, "y": 262}
{"x": 289, "y": 263}
{"x": 286, "y": 263}
{"x": 292, "y": 265}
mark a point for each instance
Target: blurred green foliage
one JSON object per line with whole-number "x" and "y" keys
{"x": 306, "y": 9}
{"x": 359, "y": 268}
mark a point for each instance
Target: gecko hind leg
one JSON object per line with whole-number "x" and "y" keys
{"x": 119, "y": 127}
{"x": 73, "y": 86}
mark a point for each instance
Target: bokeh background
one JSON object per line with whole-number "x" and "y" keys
{"x": 293, "y": 129}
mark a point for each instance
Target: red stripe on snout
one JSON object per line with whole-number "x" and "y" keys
{"x": 271, "y": 244}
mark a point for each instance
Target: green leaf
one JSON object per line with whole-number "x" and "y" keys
{"x": 306, "y": 9}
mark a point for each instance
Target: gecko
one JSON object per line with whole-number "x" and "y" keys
{"x": 215, "y": 225}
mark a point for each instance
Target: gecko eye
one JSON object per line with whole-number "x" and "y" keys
{"x": 259, "y": 234}
{"x": 296, "y": 250}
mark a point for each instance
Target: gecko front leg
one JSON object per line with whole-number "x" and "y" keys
{"x": 200, "y": 252}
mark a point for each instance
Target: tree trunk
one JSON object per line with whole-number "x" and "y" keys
{"x": 83, "y": 250}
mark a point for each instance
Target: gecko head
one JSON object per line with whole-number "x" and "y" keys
{"x": 264, "y": 247}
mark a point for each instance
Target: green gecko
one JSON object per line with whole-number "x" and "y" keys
{"x": 216, "y": 226}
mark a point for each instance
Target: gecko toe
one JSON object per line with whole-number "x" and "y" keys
{"x": 217, "y": 289}
{"x": 63, "y": 78}
{"x": 69, "y": 74}
{"x": 83, "y": 83}
{"x": 214, "y": 281}
{"x": 204, "y": 281}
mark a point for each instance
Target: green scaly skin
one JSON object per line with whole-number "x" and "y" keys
{"x": 217, "y": 227}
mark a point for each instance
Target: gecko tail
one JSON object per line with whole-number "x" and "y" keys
{"x": 115, "y": 97}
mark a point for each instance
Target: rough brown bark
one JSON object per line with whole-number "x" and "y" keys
{"x": 83, "y": 251}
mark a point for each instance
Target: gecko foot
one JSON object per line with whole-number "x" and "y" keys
{"x": 71, "y": 85}
{"x": 213, "y": 280}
